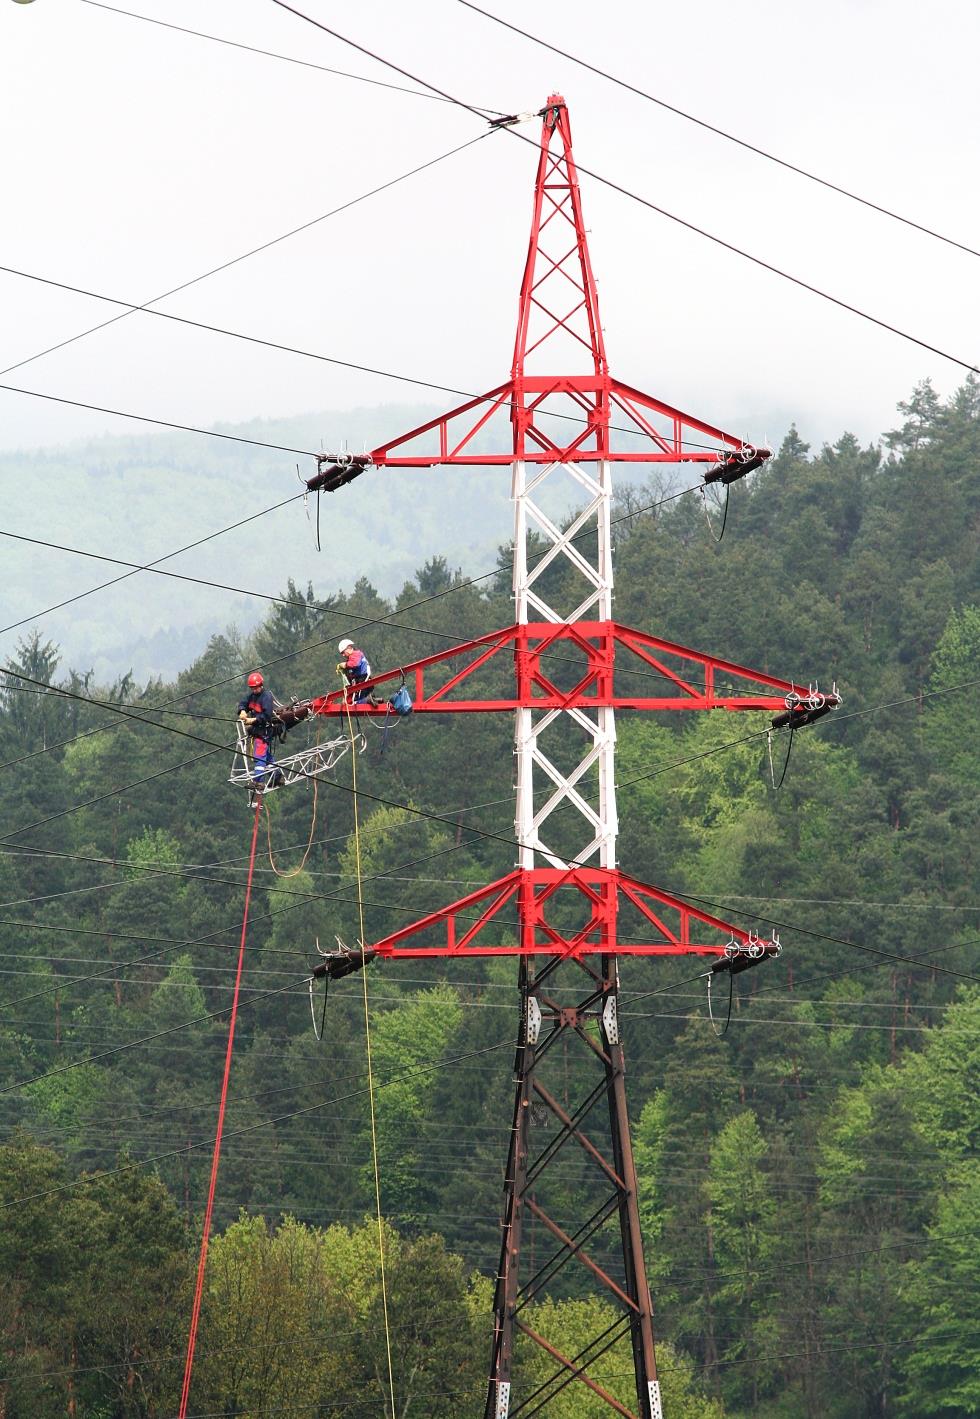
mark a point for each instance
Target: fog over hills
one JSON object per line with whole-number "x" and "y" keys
{"x": 140, "y": 497}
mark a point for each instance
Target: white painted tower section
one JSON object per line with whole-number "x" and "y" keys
{"x": 598, "y": 726}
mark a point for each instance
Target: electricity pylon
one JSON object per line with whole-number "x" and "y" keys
{"x": 576, "y": 911}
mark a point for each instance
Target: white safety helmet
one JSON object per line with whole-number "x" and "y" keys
{"x": 345, "y": 645}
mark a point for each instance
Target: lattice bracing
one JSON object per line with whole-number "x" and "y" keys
{"x": 528, "y": 913}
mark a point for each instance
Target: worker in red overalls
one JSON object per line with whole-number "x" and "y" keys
{"x": 257, "y": 711}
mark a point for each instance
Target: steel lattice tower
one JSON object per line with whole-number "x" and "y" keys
{"x": 577, "y": 912}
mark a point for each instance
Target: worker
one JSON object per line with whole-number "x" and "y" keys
{"x": 257, "y": 711}
{"x": 355, "y": 669}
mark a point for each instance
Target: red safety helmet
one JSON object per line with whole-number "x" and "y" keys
{"x": 255, "y": 681}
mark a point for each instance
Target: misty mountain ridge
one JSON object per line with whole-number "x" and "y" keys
{"x": 138, "y": 497}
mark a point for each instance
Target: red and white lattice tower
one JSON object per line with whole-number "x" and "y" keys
{"x": 576, "y": 910}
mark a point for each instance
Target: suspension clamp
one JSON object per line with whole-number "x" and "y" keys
{"x": 342, "y": 962}
{"x": 735, "y": 465}
{"x": 742, "y": 955}
{"x": 806, "y": 709}
{"x": 507, "y": 120}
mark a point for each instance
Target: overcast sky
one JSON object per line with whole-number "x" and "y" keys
{"x": 135, "y": 158}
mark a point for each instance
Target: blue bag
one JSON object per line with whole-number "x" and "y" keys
{"x": 401, "y": 701}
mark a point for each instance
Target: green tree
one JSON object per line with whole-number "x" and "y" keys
{"x": 874, "y": 1182}
{"x": 133, "y": 1295}
{"x": 951, "y": 722}
{"x": 406, "y": 1043}
{"x": 289, "y": 625}
{"x": 941, "y": 1367}
{"x": 271, "y": 1322}
{"x": 743, "y": 1217}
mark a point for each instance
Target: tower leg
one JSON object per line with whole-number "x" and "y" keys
{"x": 505, "y": 1291}
{"x": 545, "y": 1121}
{"x": 641, "y": 1326}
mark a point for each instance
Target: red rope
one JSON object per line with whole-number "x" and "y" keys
{"x": 202, "y": 1260}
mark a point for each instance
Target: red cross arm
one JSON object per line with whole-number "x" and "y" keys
{"x": 614, "y": 665}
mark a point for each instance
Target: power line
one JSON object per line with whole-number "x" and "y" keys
{"x": 303, "y": 1111}
{"x": 218, "y": 748}
{"x": 113, "y": 793}
{"x": 133, "y": 309}
{"x": 387, "y": 802}
{"x": 857, "y": 902}
{"x": 54, "y": 692}
{"x": 203, "y": 1105}
{"x": 196, "y": 871}
{"x": 363, "y": 624}
{"x": 270, "y": 54}
{"x": 433, "y": 1166}
{"x": 144, "y": 567}
{"x": 387, "y": 620}
{"x": 922, "y": 959}
{"x": 823, "y": 936}
{"x": 788, "y": 997}
{"x": 719, "y": 132}
{"x": 146, "y": 419}
{"x": 795, "y": 1023}
{"x": 334, "y": 896}
{"x": 631, "y": 1000}
{"x": 252, "y": 1128}
{"x": 67, "y": 694}
{"x": 126, "y": 868}
{"x": 260, "y": 994}
{"x": 38, "y": 959}
{"x": 17, "y": 850}
{"x": 116, "y": 967}
{"x": 652, "y": 206}
{"x": 143, "y": 1039}
{"x": 323, "y": 611}
{"x": 224, "y": 266}
{"x": 482, "y": 833}
{"x": 826, "y": 724}
{"x": 340, "y": 897}
{"x": 465, "y": 1003}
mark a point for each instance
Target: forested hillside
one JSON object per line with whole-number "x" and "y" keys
{"x": 809, "y": 1180}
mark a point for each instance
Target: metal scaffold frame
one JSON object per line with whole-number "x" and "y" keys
{"x": 298, "y": 767}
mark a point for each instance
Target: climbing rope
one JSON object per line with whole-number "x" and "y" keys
{"x": 367, "y": 1037}
{"x": 216, "y": 1155}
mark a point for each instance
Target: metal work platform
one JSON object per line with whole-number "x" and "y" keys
{"x": 308, "y": 763}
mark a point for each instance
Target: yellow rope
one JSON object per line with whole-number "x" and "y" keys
{"x": 370, "y": 1074}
